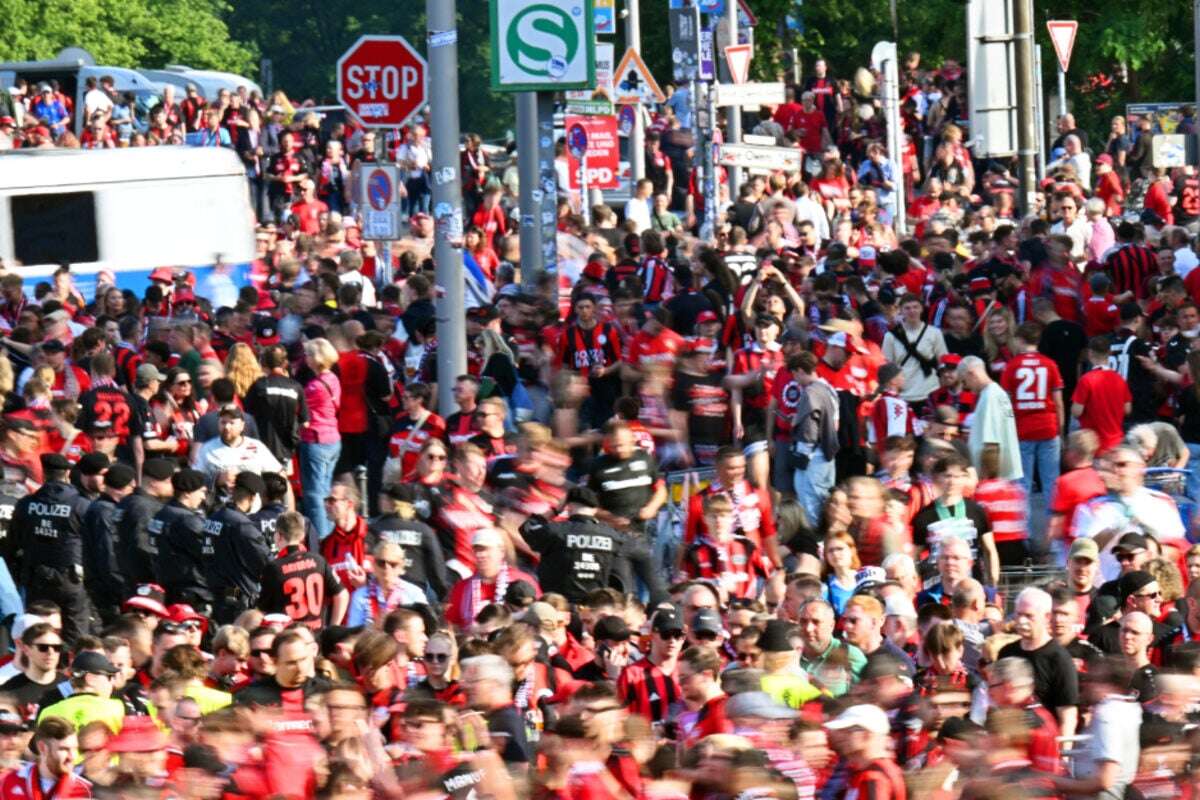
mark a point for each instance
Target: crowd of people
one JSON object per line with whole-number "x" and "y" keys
{"x": 820, "y": 508}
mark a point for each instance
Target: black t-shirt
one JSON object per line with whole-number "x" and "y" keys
{"x": 508, "y": 730}
{"x": 277, "y": 404}
{"x": 1122, "y": 357}
{"x": 625, "y": 486}
{"x": 1063, "y": 342}
{"x": 970, "y": 346}
{"x": 1189, "y": 409}
{"x": 706, "y": 402}
{"x": 115, "y": 405}
{"x": 968, "y": 521}
{"x": 684, "y": 308}
{"x": 1055, "y": 681}
{"x": 27, "y": 693}
{"x": 1144, "y": 684}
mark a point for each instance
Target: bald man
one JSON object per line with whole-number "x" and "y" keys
{"x": 1056, "y": 683}
{"x": 1137, "y": 634}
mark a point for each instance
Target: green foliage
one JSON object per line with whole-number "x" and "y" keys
{"x": 125, "y": 33}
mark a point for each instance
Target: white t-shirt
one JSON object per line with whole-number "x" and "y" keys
{"x": 1145, "y": 511}
{"x": 638, "y": 210}
{"x": 215, "y": 457}
{"x": 1112, "y": 736}
{"x": 96, "y": 100}
{"x": 994, "y": 423}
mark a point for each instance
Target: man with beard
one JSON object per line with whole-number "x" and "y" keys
{"x": 54, "y": 769}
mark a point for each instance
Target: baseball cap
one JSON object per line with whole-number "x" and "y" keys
{"x": 231, "y": 411}
{"x": 251, "y": 482}
{"x": 10, "y": 722}
{"x": 899, "y": 606}
{"x": 90, "y": 662}
{"x": 838, "y": 339}
{"x": 542, "y": 615}
{"x": 23, "y": 622}
{"x": 158, "y": 469}
{"x": 188, "y": 480}
{"x": 1131, "y": 541}
{"x": 611, "y": 629}
{"x": 266, "y": 330}
{"x": 1084, "y": 548}
{"x": 1104, "y": 158}
{"x": 699, "y": 345}
{"x": 949, "y": 361}
{"x": 184, "y": 296}
{"x": 149, "y": 372}
{"x": 757, "y": 704}
{"x": 53, "y": 346}
{"x": 148, "y": 597}
{"x": 594, "y": 270}
{"x": 162, "y": 275}
{"x": 520, "y": 594}
{"x": 707, "y": 620}
{"x": 487, "y": 537}
{"x": 706, "y": 316}
{"x": 980, "y": 284}
{"x": 666, "y": 621}
{"x": 868, "y": 578}
{"x": 866, "y": 716}
{"x": 866, "y": 256}
{"x": 1133, "y": 582}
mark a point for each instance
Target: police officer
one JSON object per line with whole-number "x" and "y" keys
{"x": 137, "y": 545}
{"x": 102, "y": 576}
{"x": 273, "y": 507}
{"x": 580, "y": 554}
{"x": 426, "y": 566}
{"x": 48, "y": 526}
{"x": 239, "y": 550}
{"x": 184, "y": 547}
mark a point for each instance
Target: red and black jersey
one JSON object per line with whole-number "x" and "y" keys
{"x": 581, "y": 349}
{"x": 1042, "y": 749}
{"x": 647, "y": 690}
{"x": 736, "y": 564}
{"x": 1130, "y": 268}
{"x": 344, "y": 546}
{"x": 460, "y": 512}
{"x": 460, "y": 427}
{"x": 752, "y": 358}
{"x": 879, "y": 780}
{"x": 112, "y": 404}
{"x": 128, "y": 360}
{"x": 300, "y": 584}
{"x": 656, "y": 279}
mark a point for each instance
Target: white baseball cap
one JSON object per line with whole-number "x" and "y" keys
{"x": 24, "y": 622}
{"x": 487, "y": 537}
{"x": 868, "y": 717}
{"x": 899, "y": 606}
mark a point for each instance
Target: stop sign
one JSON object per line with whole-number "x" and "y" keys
{"x": 381, "y": 81}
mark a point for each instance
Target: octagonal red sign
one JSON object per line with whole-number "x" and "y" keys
{"x": 381, "y": 81}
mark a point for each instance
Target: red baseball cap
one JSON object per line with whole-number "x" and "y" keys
{"x": 182, "y": 612}
{"x": 707, "y": 316}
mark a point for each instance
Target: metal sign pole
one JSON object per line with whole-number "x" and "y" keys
{"x": 383, "y": 255}
{"x": 733, "y": 113}
{"x": 584, "y": 204}
{"x": 637, "y": 140}
{"x": 447, "y": 198}
{"x": 1062, "y": 91}
{"x": 530, "y": 190}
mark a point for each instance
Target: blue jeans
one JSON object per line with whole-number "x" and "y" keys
{"x": 1046, "y": 455}
{"x": 316, "y": 476}
{"x": 813, "y": 485}
{"x": 1193, "y": 481}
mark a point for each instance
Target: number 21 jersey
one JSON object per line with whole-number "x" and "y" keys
{"x": 1031, "y": 380}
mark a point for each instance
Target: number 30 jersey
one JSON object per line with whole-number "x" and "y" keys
{"x": 300, "y": 584}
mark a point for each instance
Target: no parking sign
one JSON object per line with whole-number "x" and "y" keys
{"x": 378, "y": 201}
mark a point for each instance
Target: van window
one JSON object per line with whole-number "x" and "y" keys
{"x": 52, "y": 228}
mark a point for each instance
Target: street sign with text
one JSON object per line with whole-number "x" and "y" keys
{"x": 757, "y": 157}
{"x": 381, "y": 81}
{"x": 749, "y": 94}
{"x": 602, "y": 146}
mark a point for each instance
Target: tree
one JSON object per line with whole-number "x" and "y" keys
{"x": 125, "y": 33}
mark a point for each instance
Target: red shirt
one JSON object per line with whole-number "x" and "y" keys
{"x": 1031, "y": 380}
{"x": 309, "y": 216}
{"x": 408, "y": 439}
{"x": 661, "y": 348}
{"x": 1100, "y": 315}
{"x": 786, "y": 392}
{"x": 24, "y": 783}
{"x": 1007, "y": 508}
{"x": 462, "y": 605}
{"x": 749, "y": 360}
{"x": 1073, "y": 488}
{"x": 890, "y": 416}
{"x": 1103, "y": 395}
{"x": 711, "y": 719}
{"x": 810, "y": 124}
{"x": 491, "y": 221}
{"x": 879, "y": 780}
{"x": 753, "y": 516}
{"x": 1158, "y": 202}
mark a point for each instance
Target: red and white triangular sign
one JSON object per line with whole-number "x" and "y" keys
{"x": 738, "y": 57}
{"x": 1062, "y": 34}
{"x": 633, "y": 83}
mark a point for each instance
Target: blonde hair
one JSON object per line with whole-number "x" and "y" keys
{"x": 242, "y": 368}
{"x": 991, "y": 345}
{"x": 323, "y": 354}
{"x": 1170, "y": 582}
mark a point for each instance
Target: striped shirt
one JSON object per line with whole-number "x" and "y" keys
{"x": 1131, "y": 266}
{"x": 645, "y": 689}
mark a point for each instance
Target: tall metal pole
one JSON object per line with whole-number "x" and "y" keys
{"x": 532, "y": 260}
{"x": 383, "y": 261}
{"x": 1196, "y": 26}
{"x": 1026, "y": 133}
{"x": 1039, "y": 109}
{"x": 1062, "y": 92}
{"x": 637, "y": 147}
{"x": 733, "y": 114}
{"x": 447, "y": 197}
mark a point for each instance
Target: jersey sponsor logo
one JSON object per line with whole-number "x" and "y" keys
{"x": 281, "y": 391}
{"x": 613, "y": 486}
{"x": 404, "y": 538}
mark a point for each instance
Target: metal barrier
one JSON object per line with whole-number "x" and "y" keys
{"x": 1014, "y": 579}
{"x": 666, "y": 530}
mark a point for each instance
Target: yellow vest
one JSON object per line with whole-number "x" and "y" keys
{"x": 80, "y": 709}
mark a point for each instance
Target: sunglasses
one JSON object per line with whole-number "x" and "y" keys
{"x": 672, "y": 635}
{"x": 746, "y": 657}
{"x": 46, "y": 647}
{"x": 190, "y": 626}
{"x": 436, "y": 456}
{"x": 183, "y": 383}
{"x": 1150, "y": 595}
{"x": 1127, "y": 556}
{"x": 437, "y": 658}
{"x": 260, "y": 652}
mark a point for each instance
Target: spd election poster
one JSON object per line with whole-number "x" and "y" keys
{"x": 603, "y": 153}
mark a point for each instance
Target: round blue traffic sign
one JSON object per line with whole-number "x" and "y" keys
{"x": 577, "y": 140}
{"x": 379, "y": 189}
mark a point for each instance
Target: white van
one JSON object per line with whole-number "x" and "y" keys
{"x": 208, "y": 82}
{"x": 71, "y": 68}
{"x": 127, "y": 211}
